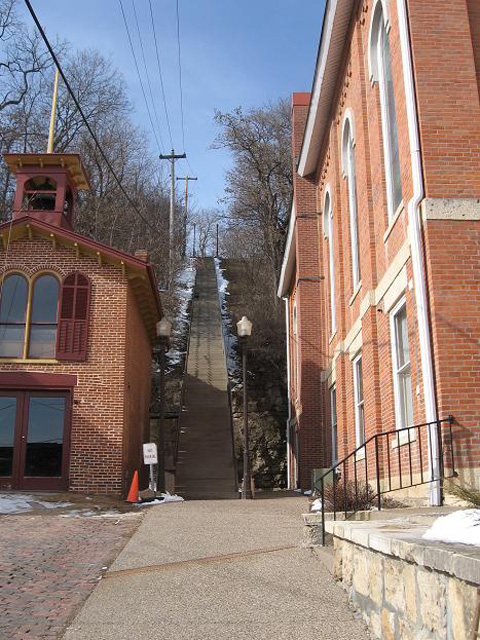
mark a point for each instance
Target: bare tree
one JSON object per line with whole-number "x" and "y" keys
{"x": 259, "y": 186}
{"x": 22, "y": 56}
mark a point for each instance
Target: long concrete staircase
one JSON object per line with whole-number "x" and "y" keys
{"x": 205, "y": 465}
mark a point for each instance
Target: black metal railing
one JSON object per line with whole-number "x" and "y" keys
{"x": 391, "y": 460}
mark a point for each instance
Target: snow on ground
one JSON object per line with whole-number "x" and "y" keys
{"x": 185, "y": 283}
{"x": 166, "y": 497}
{"x": 20, "y": 503}
{"x": 461, "y": 527}
{"x": 316, "y": 505}
{"x": 229, "y": 333}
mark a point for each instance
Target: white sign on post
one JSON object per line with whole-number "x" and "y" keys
{"x": 150, "y": 453}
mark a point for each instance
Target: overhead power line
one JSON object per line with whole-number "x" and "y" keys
{"x": 87, "y": 124}
{"x": 125, "y": 22}
{"x": 180, "y": 74}
{"x": 160, "y": 74}
{"x": 146, "y": 69}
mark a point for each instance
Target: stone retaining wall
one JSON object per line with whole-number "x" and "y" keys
{"x": 406, "y": 588}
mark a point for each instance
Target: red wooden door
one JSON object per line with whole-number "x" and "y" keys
{"x": 39, "y": 459}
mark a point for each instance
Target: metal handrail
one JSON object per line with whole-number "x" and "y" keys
{"x": 336, "y": 469}
{"x": 225, "y": 333}
{"x": 184, "y": 375}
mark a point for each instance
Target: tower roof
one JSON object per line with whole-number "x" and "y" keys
{"x": 70, "y": 161}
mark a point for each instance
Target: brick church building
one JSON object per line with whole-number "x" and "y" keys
{"x": 382, "y": 265}
{"x": 77, "y": 324}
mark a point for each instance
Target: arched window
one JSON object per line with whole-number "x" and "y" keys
{"x": 328, "y": 232}
{"x": 381, "y": 71}
{"x": 348, "y": 158}
{"x": 43, "y": 317}
{"x": 13, "y": 316}
{"x": 37, "y": 322}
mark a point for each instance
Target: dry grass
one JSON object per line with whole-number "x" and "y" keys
{"x": 464, "y": 492}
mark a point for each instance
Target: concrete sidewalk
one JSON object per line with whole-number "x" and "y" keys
{"x": 218, "y": 570}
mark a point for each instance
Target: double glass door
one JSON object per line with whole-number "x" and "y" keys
{"x": 34, "y": 440}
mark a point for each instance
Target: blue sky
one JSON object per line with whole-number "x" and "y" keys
{"x": 246, "y": 53}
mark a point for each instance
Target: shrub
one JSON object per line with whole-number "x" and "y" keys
{"x": 347, "y": 498}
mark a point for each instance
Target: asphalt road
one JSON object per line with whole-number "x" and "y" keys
{"x": 218, "y": 570}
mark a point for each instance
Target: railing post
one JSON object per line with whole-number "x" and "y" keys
{"x": 441, "y": 469}
{"x": 377, "y": 470}
{"x": 450, "y": 423}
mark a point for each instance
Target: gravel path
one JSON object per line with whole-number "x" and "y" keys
{"x": 218, "y": 570}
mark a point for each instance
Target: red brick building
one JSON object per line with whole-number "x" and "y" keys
{"x": 381, "y": 269}
{"x": 77, "y": 324}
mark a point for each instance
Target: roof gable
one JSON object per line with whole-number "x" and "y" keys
{"x": 139, "y": 274}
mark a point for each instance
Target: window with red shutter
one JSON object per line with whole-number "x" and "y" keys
{"x": 72, "y": 334}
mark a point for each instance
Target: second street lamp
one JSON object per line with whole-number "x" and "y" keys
{"x": 164, "y": 331}
{"x": 244, "y": 330}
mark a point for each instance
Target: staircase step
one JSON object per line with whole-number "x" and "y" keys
{"x": 206, "y": 468}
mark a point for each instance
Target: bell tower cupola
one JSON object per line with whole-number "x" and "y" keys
{"x": 47, "y": 186}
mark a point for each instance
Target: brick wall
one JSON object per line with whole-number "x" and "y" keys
{"x": 100, "y": 411}
{"x": 138, "y": 358}
{"x": 446, "y": 49}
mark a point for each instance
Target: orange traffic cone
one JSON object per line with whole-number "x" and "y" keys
{"x": 133, "y": 493}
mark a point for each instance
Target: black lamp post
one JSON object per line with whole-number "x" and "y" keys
{"x": 164, "y": 331}
{"x": 244, "y": 330}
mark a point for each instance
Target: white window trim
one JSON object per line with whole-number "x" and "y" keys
{"x": 357, "y": 403}
{"x": 380, "y": 24}
{"x": 404, "y": 436}
{"x": 380, "y": 10}
{"x": 333, "y": 390}
{"x": 297, "y": 347}
{"x": 348, "y": 163}
{"x": 328, "y": 233}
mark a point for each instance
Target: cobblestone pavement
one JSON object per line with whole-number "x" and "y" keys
{"x": 49, "y": 565}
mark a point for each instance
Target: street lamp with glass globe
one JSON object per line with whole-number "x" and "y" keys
{"x": 244, "y": 330}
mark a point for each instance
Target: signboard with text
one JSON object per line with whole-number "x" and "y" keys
{"x": 150, "y": 453}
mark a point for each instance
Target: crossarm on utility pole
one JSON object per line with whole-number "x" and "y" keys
{"x": 172, "y": 157}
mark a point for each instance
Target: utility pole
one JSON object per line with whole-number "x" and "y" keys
{"x": 186, "y": 178}
{"x": 172, "y": 157}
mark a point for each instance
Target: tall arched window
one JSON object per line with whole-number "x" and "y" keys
{"x": 348, "y": 156}
{"x": 381, "y": 71}
{"x": 43, "y": 317}
{"x": 13, "y": 315}
{"x": 328, "y": 231}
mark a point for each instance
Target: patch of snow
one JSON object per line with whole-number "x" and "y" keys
{"x": 185, "y": 283}
{"x": 461, "y": 527}
{"x": 53, "y": 505}
{"x": 14, "y": 504}
{"x": 308, "y": 492}
{"x": 230, "y": 339}
{"x": 166, "y": 497}
{"x": 21, "y": 503}
{"x": 316, "y": 505}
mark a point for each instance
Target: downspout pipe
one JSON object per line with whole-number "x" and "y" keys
{"x": 287, "y": 329}
{"x": 416, "y": 246}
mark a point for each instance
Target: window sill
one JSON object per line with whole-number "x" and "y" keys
{"x": 355, "y": 293}
{"x": 405, "y": 437}
{"x": 330, "y": 340}
{"x": 393, "y": 221}
{"x": 27, "y": 361}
